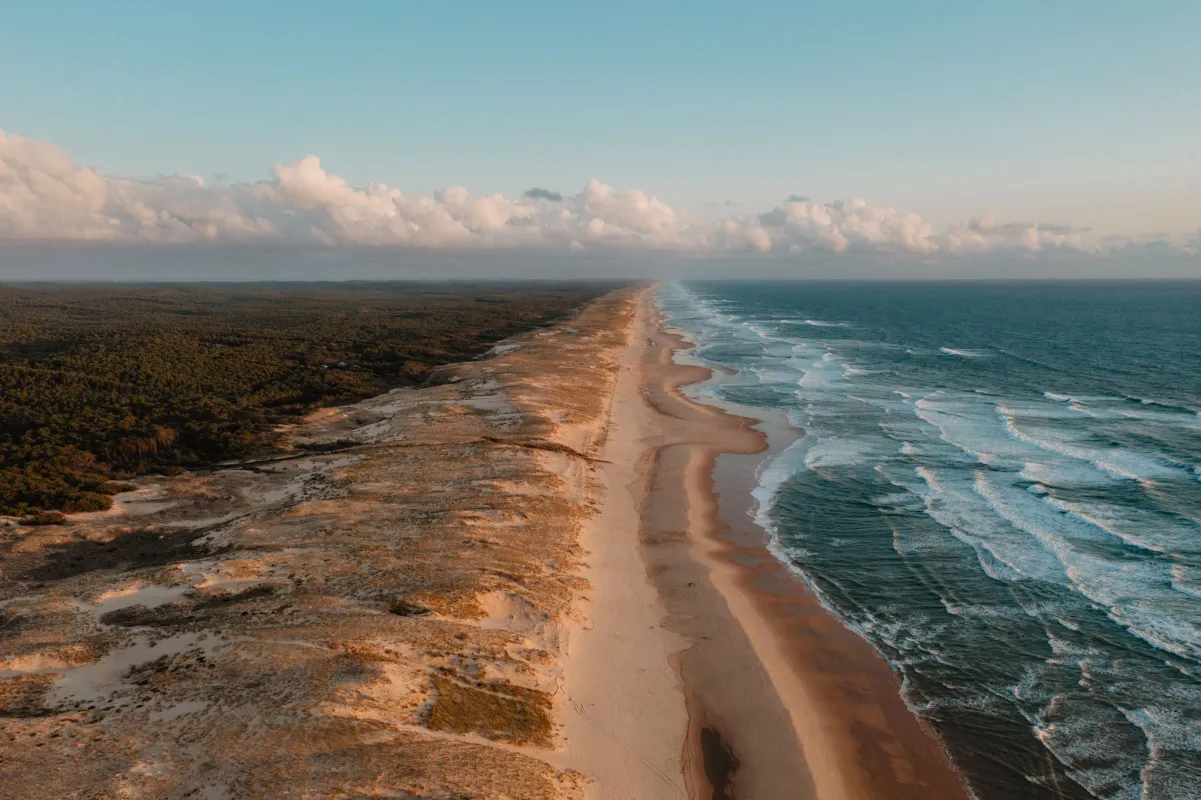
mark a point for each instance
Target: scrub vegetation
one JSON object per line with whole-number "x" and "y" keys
{"x": 99, "y": 384}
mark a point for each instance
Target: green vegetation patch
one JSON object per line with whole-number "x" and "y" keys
{"x": 103, "y": 383}
{"x": 498, "y": 710}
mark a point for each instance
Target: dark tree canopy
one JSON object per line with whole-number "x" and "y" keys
{"x": 102, "y": 383}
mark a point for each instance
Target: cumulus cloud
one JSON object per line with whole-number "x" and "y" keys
{"x": 454, "y": 218}
{"x": 986, "y": 233}
{"x": 46, "y": 195}
{"x": 801, "y": 225}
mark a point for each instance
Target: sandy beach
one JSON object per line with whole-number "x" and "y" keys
{"x": 522, "y": 581}
{"x": 784, "y": 701}
{"x": 708, "y": 670}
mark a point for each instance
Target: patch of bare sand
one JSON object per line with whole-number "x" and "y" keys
{"x": 625, "y": 715}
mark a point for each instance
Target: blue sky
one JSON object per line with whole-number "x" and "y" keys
{"x": 1080, "y": 112}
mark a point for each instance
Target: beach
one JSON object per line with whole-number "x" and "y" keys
{"x": 781, "y": 700}
{"x": 524, "y": 580}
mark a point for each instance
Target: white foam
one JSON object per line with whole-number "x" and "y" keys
{"x": 1136, "y": 594}
{"x": 854, "y": 372}
{"x": 1003, "y": 553}
{"x": 1135, "y": 527}
{"x": 1165, "y": 730}
{"x": 1116, "y": 462}
{"x": 780, "y": 374}
{"x": 962, "y": 421}
{"x": 952, "y": 351}
{"x": 814, "y": 323}
{"x": 771, "y": 475}
{"x": 837, "y": 451}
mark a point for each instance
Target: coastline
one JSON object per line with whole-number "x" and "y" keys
{"x": 533, "y": 578}
{"x": 783, "y": 700}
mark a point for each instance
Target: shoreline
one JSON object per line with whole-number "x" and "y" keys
{"x": 783, "y": 700}
{"x": 538, "y": 569}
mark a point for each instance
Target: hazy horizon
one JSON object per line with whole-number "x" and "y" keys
{"x": 199, "y": 263}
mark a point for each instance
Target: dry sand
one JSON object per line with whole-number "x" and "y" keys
{"x": 624, "y": 717}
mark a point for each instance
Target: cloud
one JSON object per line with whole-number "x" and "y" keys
{"x": 985, "y": 233}
{"x": 846, "y": 225}
{"x": 1153, "y": 245}
{"x": 538, "y": 193}
{"x": 454, "y": 218}
{"x": 46, "y": 196}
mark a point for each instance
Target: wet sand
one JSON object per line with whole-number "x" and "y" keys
{"x": 783, "y": 700}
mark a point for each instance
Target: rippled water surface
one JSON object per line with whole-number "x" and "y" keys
{"x": 999, "y": 486}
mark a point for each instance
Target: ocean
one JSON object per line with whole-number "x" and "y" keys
{"x": 998, "y": 485}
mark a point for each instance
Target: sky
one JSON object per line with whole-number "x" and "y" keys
{"x": 913, "y": 130}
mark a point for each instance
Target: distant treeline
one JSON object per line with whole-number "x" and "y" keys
{"x": 102, "y": 383}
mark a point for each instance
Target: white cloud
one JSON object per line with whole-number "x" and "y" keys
{"x": 45, "y": 195}
{"x": 985, "y": 233}
{"x": 802, "y": 225}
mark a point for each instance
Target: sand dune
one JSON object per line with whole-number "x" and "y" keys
{"x": 386, "y": 618}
